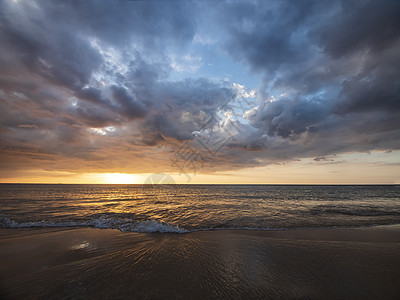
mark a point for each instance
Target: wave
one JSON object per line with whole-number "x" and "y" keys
{"x": 154, "y": 226}
{"x": 362, "y": 212}
{"x": 127, "y": 225}
{"x": 124, "y": 225}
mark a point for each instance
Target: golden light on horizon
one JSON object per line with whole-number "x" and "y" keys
{"x": 119, "y": 178}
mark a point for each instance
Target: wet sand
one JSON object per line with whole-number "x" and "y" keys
{"x": 87, "y": 263}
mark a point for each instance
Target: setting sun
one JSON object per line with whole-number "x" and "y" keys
{"x": 119, "y": 178}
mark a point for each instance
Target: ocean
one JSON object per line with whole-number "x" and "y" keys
{"x": 187, "y": 208}
{"x": 199, "y": 241}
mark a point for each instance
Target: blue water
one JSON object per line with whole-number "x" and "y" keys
{"x": 183, "y": 208}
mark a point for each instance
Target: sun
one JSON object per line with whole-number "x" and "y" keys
{"x": 119, "y": 178}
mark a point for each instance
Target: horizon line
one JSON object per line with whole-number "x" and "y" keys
{"x": 320, "y": 184}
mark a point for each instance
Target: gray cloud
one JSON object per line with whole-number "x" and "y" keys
{"x": 84, "y": 82}
{"x": 356, "y": 26}
{"x": 336, "y": 63}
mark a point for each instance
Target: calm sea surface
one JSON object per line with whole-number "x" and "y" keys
{"x": 182, "y": 208}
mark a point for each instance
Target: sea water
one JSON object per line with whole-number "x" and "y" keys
{"x": 185, "y": 208}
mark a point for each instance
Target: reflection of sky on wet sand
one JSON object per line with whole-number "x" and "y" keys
{"x": 223, "y": 264}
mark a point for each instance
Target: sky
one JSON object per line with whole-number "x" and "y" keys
{"x": 284, "y": 92}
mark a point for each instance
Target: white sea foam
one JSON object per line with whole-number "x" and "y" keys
{"x": 9, "y": 223}
{"x": 81, "y": 246}
{"x": 128, "y": 225}
{"x": 124, "y": 225}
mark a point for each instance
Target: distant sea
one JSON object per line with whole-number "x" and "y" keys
{"x": 186, "y": 208}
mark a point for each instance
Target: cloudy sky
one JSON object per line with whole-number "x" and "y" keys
{"x": 206, "y": 91}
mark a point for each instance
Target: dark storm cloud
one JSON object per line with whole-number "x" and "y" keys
{"x": 270, "y": 35}
{"x": 130, "y": 107}
{"x": 75, "y": 75}
{"x": 359, "y": 25}
{"x": 337, "y": 64}
{"x": 289, "y": 117}
{"x": 376, "y": 87}
{"x": 151, "y": 23}
{"x": 87, "y": 80}
{"x": 187, "y": 105}
{"x": 49, "y": 50}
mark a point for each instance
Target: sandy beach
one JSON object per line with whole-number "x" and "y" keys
{"x": 88, "y": 263}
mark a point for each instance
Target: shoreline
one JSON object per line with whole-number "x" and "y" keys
{"x": 106, "y": 263}
{"x": 314, "y": 233}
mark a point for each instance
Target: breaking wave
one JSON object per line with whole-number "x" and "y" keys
{"x": 124, "y": 225}
{"x": 154, "y": 226}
